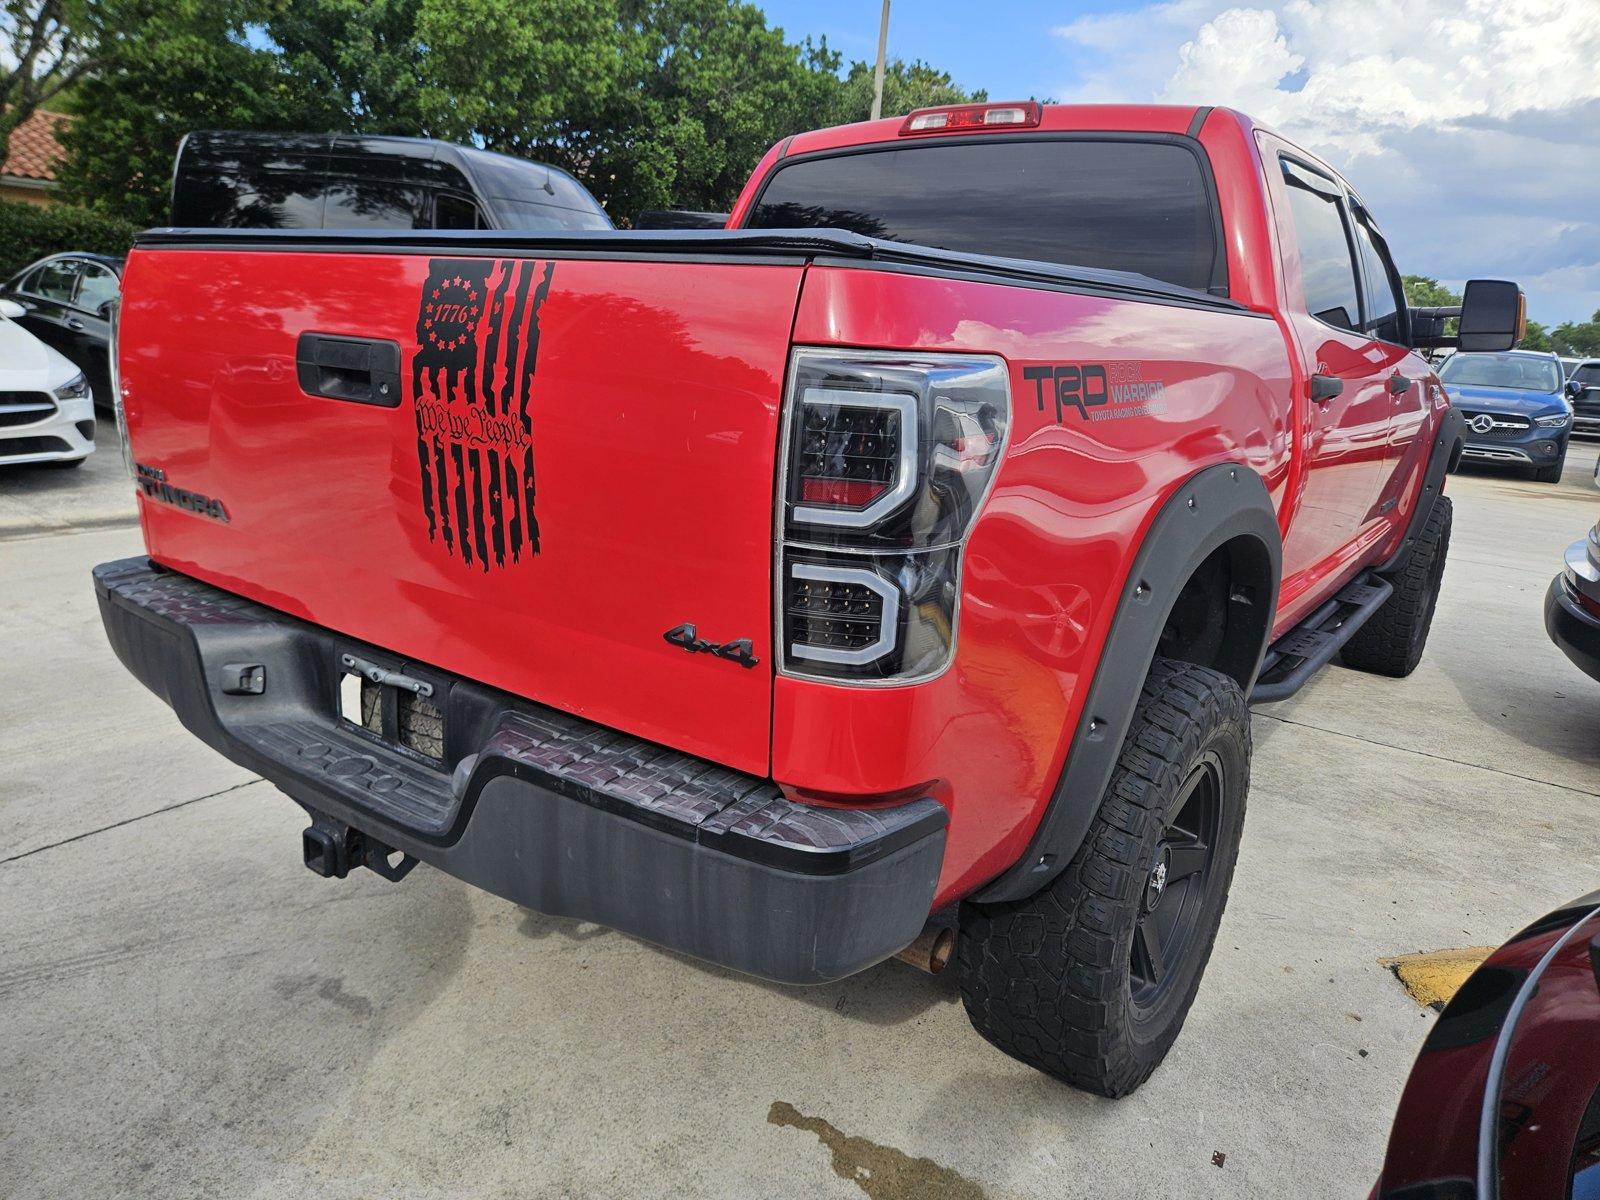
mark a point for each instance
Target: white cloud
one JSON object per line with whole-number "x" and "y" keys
{"x": 1470, "y": 126}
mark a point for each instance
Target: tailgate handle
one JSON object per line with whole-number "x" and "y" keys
{"x": 362, "y": 370}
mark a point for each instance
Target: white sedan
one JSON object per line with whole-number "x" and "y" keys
{"x": 46, "y": 407}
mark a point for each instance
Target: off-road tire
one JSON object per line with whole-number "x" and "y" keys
{"x": 1392, "y": 640}
{"x": 1049, "y": 979}
{"x": 1550, "y": 474}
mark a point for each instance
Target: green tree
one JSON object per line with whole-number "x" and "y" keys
{"x": 1536, "y": 338}
{"x": 45, "y": 47}
{"x": 1580, "y": 339}
{"x": 649, "y": 102}
{"x": 906, "y": 86}
{"x": 352, "y": 65}
{"x": 1424, "y": 292}
{"x": 175, "y": 65}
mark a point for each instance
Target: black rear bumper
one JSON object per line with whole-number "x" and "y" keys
{"x": 1571, "y": 628}
{"x": 540, "y": 807}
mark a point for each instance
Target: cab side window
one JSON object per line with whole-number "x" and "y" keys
{"x": 1327, "y": 265}
{"x": 98, "y": 286}
{"x": 456, "y": 212}
{"x": 1382, "y": 285}
{"x": 56, "y": 280}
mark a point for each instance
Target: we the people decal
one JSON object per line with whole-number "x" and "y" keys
{"x": 471, "y": 380}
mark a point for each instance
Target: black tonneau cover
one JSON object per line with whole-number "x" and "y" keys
{"x": 747, "y": 244}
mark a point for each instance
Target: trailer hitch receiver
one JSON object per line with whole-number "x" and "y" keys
{"x": 333, "y": 849}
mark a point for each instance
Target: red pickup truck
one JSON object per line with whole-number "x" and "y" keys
{"x": 904, "y": 553}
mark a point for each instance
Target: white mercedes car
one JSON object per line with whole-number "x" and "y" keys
{"x": 46, "y": 407}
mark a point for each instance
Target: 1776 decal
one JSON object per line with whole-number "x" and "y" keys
{"x": 471, "y": 381}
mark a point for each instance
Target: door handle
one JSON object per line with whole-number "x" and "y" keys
{"x": 361, "y": 370}
{"x": 1399, "y": 385}
{"x": 74, "y": 323}
{"x": 1326, "y": 387}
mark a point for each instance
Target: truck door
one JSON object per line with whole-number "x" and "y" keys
{"x": 1384, "y": 320}
{"x": 1345, "y": 438}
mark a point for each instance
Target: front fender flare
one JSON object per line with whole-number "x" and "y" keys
{"x": 1214, "y": 507}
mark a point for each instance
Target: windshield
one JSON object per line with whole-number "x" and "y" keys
{"x": 1140, "y": 206}
{"x": 1518, "y": 371}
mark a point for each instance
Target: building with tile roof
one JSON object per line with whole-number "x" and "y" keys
{"x": 28, "y": 173}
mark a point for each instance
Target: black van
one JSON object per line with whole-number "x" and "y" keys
{"x": 351, "y": 181}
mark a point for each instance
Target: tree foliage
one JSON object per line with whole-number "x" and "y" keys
{"x": 1579, "y": 339}
{"x": 651, "y": 103}
{"x": 45, "y": 47}
{"x": 28, "y": 232}
{"x": 1424, "y": 292}
{"x": 906, "y": 86}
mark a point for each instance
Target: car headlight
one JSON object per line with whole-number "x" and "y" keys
{"x": 75, "y": 388}
{"x": 1559, "y": 421}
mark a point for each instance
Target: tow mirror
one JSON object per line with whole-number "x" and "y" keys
{"x": 11, "y": 310}
{"x": 1494, "y": 315}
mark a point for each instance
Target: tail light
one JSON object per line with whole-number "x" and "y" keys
{"x": 887, "y": 459}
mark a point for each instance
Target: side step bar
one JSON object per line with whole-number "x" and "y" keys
{"x": 1309, "y": 646}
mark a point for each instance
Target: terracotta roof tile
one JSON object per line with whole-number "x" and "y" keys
{"x": 34, "y": 150}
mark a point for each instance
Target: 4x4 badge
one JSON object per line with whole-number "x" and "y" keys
{"x": 688, "y": 637}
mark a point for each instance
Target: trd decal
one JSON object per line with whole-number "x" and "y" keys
{"x": 687, "y": 636}
{"x": 471, "y": 380}
{"x": 153, "y": 483}
{"x": 1114, "y": 390}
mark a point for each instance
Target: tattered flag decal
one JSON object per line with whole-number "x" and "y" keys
{"x": 471, "y": 382}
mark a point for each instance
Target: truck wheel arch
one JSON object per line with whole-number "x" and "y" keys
{"x": 1221, "y": 518}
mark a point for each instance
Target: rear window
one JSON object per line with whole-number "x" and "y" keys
{"x": 1120, "y": 206}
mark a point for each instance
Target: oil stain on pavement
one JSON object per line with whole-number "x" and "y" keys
{"x": 882, "y": 1172}
{"x": 1432, "y": 978}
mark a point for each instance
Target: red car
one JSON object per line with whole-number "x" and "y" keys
{"x": 905, "y": 552}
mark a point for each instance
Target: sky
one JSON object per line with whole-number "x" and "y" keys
{"x": 1471, "y": 128}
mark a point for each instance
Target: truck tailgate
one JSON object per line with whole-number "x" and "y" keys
{"x": 578, "y": 457}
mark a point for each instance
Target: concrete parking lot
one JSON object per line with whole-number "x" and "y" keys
{"x": 186, "y": 1011}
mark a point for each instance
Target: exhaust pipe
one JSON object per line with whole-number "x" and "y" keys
{"x": 932, "y": 950}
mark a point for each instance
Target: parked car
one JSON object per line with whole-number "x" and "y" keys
{"x": 1583, "y": 386}
{"x": 1572, "y": 604}
{"x": 350, "y": 181}
{"x": 1515, "y": 408}
{"x": 1504, "y": 1099}
{"x": 46, "y": 409}
{"x": 865, "y": 577}
{"x": 66, "y": 302}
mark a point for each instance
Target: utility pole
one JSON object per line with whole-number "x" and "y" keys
{"x": 877, "y": 77}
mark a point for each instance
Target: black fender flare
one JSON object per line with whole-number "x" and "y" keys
{"x": 1443, "y": 456}
{"x": 1213, "y": 507}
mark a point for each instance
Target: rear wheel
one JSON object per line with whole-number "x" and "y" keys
{"x": 1392, "y": 640}
{"x": 1089, "y": 980}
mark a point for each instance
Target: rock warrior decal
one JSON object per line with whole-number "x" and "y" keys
{"x": 471, "y": 378}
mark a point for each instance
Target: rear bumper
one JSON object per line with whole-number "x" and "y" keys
{"x": 1571, "y": 628}
{"x": 534, "y": 805}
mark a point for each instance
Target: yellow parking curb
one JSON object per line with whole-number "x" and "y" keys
{"x": 1432, "y": 978}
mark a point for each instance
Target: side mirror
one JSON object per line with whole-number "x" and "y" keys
{"x": 1574, "y": 388}
{"x": 1494, "y": 315}
{"x": 11, "y": 310}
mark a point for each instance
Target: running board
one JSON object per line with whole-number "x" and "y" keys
{"x": 1309, "y": 646}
